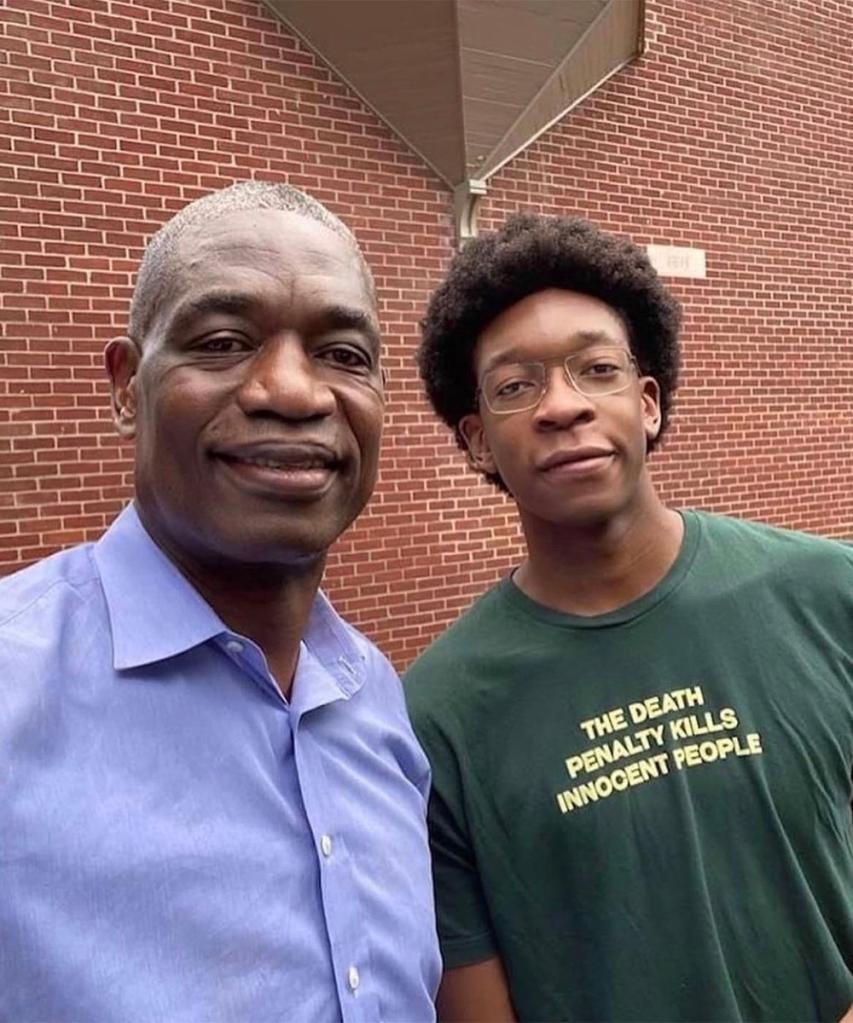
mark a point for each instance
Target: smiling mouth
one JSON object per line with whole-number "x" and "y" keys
{"x": 288, "y": 475}
{"x": 280, "y": 465}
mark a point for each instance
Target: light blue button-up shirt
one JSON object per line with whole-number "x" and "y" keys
{"x": 178, "y": 842}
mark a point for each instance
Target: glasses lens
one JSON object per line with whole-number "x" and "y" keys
{"x": 597, "y": 371}
{"x": 514, "y": 387}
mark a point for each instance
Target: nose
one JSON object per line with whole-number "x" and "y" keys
{"x": 281, "y": 379}
{"x": 562, "y": 403}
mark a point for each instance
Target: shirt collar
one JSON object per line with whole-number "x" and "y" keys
{"x": 330, "y": 641}
{"x": 154, "y": 612}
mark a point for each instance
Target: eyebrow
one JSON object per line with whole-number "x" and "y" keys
{"x": 580, "y": 339}
{"x": 233, "y": 303}
{"x": 342, "y": 317}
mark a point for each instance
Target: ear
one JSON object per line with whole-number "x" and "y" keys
{"x": 122, "y": 361}
{"x": 476, "y": 444}
{"x": 651, "y": 407}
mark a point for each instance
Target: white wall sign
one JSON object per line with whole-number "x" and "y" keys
{"x": 672, "y": 261}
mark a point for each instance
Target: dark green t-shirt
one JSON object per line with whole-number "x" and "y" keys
{"x": 647, "y": 813}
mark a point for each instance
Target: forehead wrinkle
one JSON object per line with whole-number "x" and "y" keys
{"x": 263, "y": 245}
{"x": 275, "y": 243}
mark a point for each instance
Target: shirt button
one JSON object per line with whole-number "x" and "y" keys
{"x": 235, "y": 646}
{"x": 326, "y": 845}
{"x": 353, "y": 979}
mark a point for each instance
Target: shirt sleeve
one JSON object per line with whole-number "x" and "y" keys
{"x": 464, "y": 923}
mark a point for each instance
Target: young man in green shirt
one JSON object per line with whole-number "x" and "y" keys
{"x": 641, "y": 740}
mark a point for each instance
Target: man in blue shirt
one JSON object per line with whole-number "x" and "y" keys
{"x": 212, "y": 804}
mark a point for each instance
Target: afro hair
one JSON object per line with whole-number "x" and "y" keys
{"x": 531, "y": 253}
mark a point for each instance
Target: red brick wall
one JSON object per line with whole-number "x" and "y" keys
{"x": 732, "y": 133}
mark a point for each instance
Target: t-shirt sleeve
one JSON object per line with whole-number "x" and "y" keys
{"x": 464, "y": 924}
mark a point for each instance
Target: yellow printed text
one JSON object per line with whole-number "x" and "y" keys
{"x": 696, "y": 754}
{"x": 637, "y": 773}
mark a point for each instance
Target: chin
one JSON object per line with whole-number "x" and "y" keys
{"x": 285, "y": 551}
{"x": 224, "y": 551}
{"x": 591, "y": 514}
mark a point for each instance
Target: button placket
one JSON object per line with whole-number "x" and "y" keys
{"x": 339, "y": 889}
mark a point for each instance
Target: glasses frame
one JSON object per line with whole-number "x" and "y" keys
{"x": 557, "y": 360}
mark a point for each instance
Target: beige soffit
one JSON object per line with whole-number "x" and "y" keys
{"x": 469, "y": 83}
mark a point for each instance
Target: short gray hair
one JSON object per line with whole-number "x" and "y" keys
{"x": 158, "y": 261}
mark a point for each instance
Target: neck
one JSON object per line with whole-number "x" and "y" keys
{"x": 593, "y": 568}
{"x": 268, "y": 602}
{"x": 270, "y": 608}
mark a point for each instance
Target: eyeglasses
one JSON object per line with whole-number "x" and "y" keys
{"x": 520, "y": 386}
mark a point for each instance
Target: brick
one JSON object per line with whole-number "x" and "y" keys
{"x": 120, "y": 112}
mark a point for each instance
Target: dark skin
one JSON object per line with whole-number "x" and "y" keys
{"x": 271, "y": 612}
{"x": 593, "y": 579}
{"x": 478, "y": 993}
{"x": 255, "y": 401}
{"x": 597, "y": 534}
